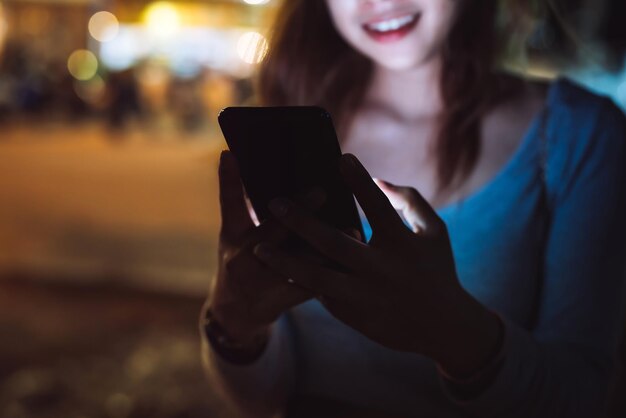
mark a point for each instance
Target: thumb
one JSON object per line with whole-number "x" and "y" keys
{"x": 414, "y": 208}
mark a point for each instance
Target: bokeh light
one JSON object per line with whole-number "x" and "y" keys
{"x": 82, "y": 64}
{"x": 92, "y": 91}
{"x": 162, "y": 19}
{"x": 255, "y": 2}
{"x": 252, "y": 47}
{"x": 104, "y": 26}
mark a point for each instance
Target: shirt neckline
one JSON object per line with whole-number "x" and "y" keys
{"x": 529, "y": 135}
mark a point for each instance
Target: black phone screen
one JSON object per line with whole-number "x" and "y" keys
{"x": 285, "y": 152}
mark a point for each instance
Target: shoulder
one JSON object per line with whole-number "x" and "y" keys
{"x": 575, "y": 105}
{"x": 586, "y": 135}
{"x": 579, "y": 118}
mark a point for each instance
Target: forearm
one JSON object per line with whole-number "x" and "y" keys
{"x": 495, "y": 368}
{"x": 259, "y": 389}
{"x": 542, "y": 380}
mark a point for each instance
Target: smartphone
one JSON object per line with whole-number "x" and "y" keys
{"x": 285, "y": 152}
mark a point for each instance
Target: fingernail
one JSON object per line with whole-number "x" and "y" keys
{"x": 348, "y": 164}
{"x": 357, "y": 234}
{"x": 345, "y": 165}
{"x": 263, "y": 251}
{"x": 351, "y": 160}
{"x": 279, "y": 207}
{"x": 385, "y": 185}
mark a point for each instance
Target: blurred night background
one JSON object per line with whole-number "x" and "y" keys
{"x": 108, "y": 192}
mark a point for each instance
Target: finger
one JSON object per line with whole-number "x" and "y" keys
{"x": 284, "y": 296}
{"x": 252, "y": 213}
{"x": 270, "y": 230}
{"x": 235, "y": 217}
{"x": 329, "y": 241}
{"x": 354, "y": 233}
{"x": 311, "y": 200}
{"x": 375, "y": 204}
{"x": 273, "y": 231}
{"x": 253, "y": 278}
{"x": 267, "y": 293}
{"x": 316, "y": 279}
{"x": 415, "y": 209}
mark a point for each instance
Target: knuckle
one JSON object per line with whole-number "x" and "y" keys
{"x": 233, "y": 262}
{"x": 230, "y": 266}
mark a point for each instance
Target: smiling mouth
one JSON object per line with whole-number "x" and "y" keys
{"x": 391, "y": 29}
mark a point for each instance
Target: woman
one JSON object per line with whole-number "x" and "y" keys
{"x": 504, "y": 299}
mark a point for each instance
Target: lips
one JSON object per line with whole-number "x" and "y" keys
{"x": 391, "y": 29}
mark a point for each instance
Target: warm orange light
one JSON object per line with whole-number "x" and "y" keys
{"x": 162, "y": 19}
{"x": 3, "y": 26}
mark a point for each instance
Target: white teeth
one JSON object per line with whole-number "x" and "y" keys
{"x": 391, "y": 24}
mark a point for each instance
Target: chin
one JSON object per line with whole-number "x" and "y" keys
{"x": 399, "y": 62}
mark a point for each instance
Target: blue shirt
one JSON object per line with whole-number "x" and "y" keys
{"x": 543, "y": 244}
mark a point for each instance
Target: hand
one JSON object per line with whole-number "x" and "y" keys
{"x": 401, "y": 289}
{"x": 247, "y": 297}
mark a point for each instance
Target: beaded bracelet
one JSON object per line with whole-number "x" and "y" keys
{"x": 231, "y": 350}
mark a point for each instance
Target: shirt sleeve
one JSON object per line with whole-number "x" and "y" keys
{"x": 563, "y": 365}
{"x": 260, "y": 389}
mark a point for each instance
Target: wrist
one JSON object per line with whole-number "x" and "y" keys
{"x": 232, "y": 327}
{"x": 240, "y": 349}
{"x": 466, "y": 387}
{"x": 474, "y": 342}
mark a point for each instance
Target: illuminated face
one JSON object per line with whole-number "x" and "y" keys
{"x": 395, "y": 34}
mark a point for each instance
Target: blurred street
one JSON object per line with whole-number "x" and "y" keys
{"x": 86, "y": 217}
{"x": 108, "y": 199}
{"x": 100, "y": 352}
{"x": 83, "y": 204}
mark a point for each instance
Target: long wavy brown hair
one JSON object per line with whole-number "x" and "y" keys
{"x": 309, "y": 63}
